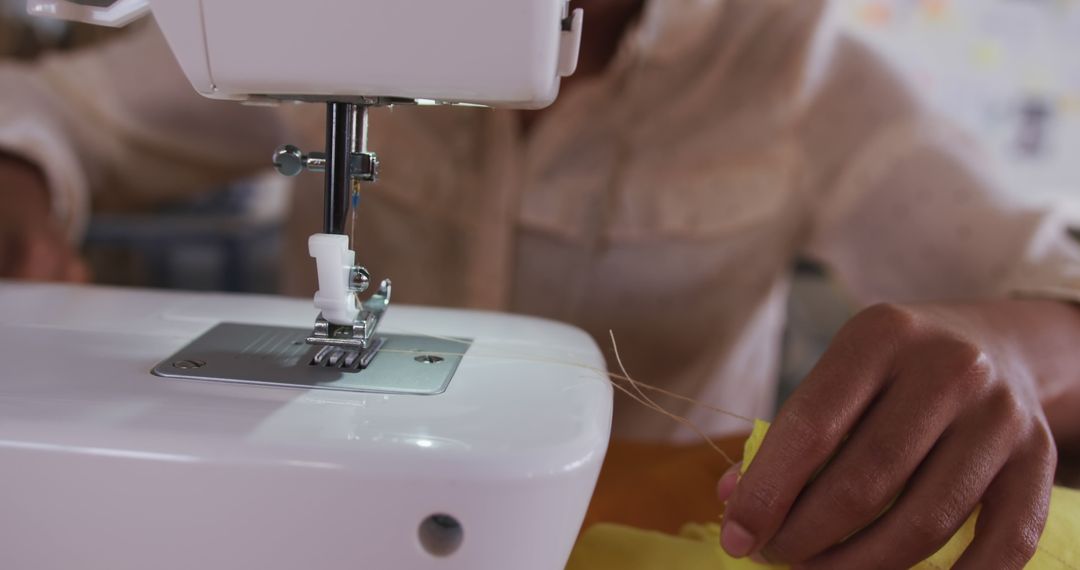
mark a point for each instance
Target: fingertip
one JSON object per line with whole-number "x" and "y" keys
{"x": 736, "y": 540}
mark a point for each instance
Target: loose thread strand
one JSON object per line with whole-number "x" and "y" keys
{"x": 633, "y": 383}
{"x": 638, "y": 394}
{"x": 658, "y": 408}
{"x": 611, "y": 375}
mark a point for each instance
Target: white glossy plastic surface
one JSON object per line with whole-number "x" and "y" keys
{"x": 333, "y": 263}
{"x": 108, "y": 467}
{"x": 509, "y": 53}
{"x": 182, "y": 23}
{"x": 118, "y": 14}
{"x": 571, "y": 44}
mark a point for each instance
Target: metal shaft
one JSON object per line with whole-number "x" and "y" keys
{"x": 358, "y": 115}
{"x": 339, "y": 142}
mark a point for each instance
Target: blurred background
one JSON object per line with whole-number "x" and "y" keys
{"x": 228, "y": 240}
{"x": 1006, "y": 70}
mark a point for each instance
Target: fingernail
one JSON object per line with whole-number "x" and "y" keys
{"x": 726, "y": 486}
{"x": 736, "y": 540}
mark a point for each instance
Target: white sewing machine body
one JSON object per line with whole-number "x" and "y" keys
{"x": 507, "y": 53}
{"x": 372, "y": 439}
{"x": 106, "y": 466}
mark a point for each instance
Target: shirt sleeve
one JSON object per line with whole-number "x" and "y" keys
{"x": 907, "y": 209}
{"x": 118, "y": 126}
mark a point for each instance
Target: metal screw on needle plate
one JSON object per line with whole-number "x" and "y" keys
{"x": 188, "y": 364}
{"x": 428, "y": 359}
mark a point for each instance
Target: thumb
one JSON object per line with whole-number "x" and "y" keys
{"x": 726, "y": 485}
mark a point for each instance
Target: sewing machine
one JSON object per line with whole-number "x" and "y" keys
{"x": 166, "y": 430}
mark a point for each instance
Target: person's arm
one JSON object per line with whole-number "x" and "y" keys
{"x": 947, "y": 398}
{"x": 118, "y": 126}
{"x": 32, "y": 244}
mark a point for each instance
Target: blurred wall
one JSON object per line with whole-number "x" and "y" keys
{"x": 1007, "y": 70}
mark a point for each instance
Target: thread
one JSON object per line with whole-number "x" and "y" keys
{"x": 638, "y": 387}
{"x": 692, "y": 401}
{"x": 354, "y": 205}
{"x": 660, "y": 409}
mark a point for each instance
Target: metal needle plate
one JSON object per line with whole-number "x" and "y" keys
{"x": 280, "y": 356}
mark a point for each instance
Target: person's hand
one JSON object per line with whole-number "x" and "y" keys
{"x": 32, "y": 245}
{"x": 933, "y": 407}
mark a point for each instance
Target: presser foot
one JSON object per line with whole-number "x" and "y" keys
{"x": 346, "y": 358}
{"x": 351, "y": 347}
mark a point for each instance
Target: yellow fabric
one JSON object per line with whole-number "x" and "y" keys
{"x": 697, "y": 547}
